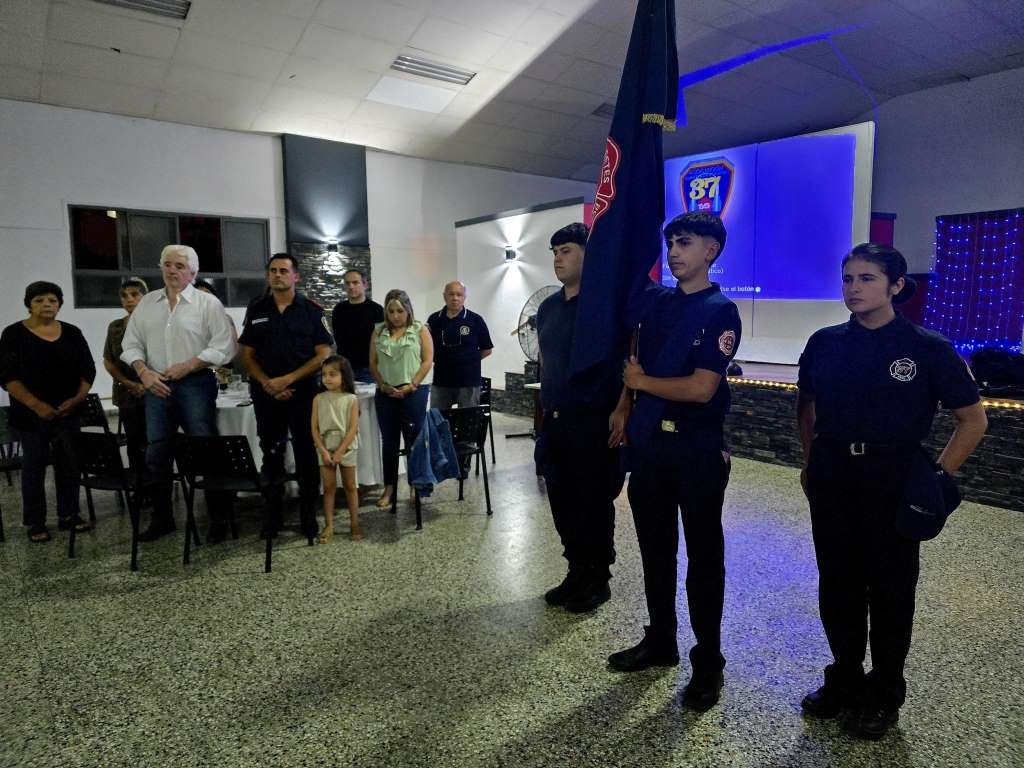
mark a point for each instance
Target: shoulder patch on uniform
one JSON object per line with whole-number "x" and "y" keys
{"x": 903, "y": 369}
{"x": 727, "y": 342}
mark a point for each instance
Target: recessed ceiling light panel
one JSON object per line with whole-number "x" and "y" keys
{"x": 435, "y": 71}
{"x": 171, "y": 9}
{"x": 406, "y": 93}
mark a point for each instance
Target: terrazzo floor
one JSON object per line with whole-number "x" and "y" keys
{"x": 434, "y": 647}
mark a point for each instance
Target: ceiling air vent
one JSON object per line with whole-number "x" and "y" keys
{"x": 605, "y": 110}
{"x": 171, "y": 9}
{"x": 414, "y": 66}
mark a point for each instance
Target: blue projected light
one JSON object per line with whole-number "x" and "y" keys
{"x": 787, "y": 207}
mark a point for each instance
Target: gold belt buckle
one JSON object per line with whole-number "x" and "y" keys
{"x": 668, "y": 426}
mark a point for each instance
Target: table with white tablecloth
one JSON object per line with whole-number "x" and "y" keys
{"x": 236, "y": 416}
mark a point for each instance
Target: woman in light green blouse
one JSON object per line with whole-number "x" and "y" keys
{"x": 401, "y": 354}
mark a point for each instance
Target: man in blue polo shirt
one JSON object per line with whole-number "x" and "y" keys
{"x": 461, "y": 341}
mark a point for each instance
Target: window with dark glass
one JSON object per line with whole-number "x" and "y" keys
{"x": 108, "y": 245}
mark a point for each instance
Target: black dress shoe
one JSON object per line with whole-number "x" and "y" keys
{"x": 826, "y": 702}
{"x": 558, "y": 595}
{"x": 702, "y": 692}
{"x": 646, "y": 653}
{"x": 588, "y": 597}
{"x": 157, "y": 530}
{"x": 875, "y": 721}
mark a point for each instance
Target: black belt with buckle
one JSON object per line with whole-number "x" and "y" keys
{"x": 864, "y": 448}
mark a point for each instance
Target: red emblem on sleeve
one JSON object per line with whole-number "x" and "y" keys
{"x": 606, "y": 181}
{"x": 727, "y": 342}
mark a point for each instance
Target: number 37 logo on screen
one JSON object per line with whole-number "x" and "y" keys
{"x": 705, "y": 186}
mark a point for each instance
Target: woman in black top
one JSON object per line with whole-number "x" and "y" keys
{"x": 869, "y": 389}
{"x": 46, "y": 367}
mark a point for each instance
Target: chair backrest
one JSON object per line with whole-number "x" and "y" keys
{"x": 91, "y": 413}
{"x": 223, "y": 456}
{"x": 6, "y": 437}
{"x": 485, "y": 391}
{"x": 468, "y": 425}
{"x": 97, "y": 454}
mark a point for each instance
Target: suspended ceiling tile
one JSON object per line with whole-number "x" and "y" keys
{"x": 99, "y": 64}
{"x": 240, "y": 21}
{"x": 571, "y": 101}
{"x": 97, "y": 95}
{"x": 380, "y": 20}
{"x": 184, "y": 80}
{"x": 337, "y": 77}
{"x": 548, "y": 66}
{"x": 455, "y": 42}
{"x": 326, "y": 43}
{"x": 498, "y": 17}
{"x": 234, "y": 58}
{"x": 22, "y": 51}
{"x": 18, "y": 83}
{"x": 514, "y": 56}
{"x": 541, "y": 27}
{"x": 199, "y": 110}
{"x": 314, "y": 103}
{"x": 91, "y": 26}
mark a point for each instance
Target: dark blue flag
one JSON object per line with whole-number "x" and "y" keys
{"x": 629, "y": 206}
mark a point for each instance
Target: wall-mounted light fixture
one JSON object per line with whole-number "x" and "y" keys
{"x": 510, "y": 253}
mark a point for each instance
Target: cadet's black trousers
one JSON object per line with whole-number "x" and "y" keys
{"x": 864, "y": 567}
{"x": 583, "y": 478}
{"x": 658, "y": 492}
{"x": 274, "y": 420}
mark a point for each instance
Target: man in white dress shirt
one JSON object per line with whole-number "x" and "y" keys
{"x": 174, "y": 339}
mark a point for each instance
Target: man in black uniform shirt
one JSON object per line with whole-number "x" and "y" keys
{"x": 461, "y": 341}
{"x": 284, "y": 340}
{"x": 353, "y": 321}
{"x": 579, "y": 462}
{"x": 677, "y": 451}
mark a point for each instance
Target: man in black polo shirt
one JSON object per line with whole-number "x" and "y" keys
{"x": 575, "y": 450}
{"x": 461, "y": 341}
{"x": 284, "y": 340}
{"x": 353, "y": 321}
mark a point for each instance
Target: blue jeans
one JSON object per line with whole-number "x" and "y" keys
{"x": 46, "y": 441}
{"x": 399, "y": 416}
{"x": 192, "y": 406}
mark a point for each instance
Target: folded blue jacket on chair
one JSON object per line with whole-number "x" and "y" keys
{"x": 432, "y": 458}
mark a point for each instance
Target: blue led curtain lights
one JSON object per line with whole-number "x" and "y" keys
{"x": 977, "y": 297}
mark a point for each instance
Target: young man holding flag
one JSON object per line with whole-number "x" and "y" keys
{"x": 677, "y": 452}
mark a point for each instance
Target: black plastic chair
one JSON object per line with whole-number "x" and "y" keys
{"x": 10, "y": 447}
{"x": 469, "y": 433}
{"x": 99, "y": 464}
{"x": 91, "y": 414}
{"x": 415, "y": 496}
{"x": 217, "y": 463}
{"x": 485, "y": 402}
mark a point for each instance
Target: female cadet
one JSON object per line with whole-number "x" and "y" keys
{"x": 868, "y": 394}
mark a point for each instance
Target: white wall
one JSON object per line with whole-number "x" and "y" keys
{"x": 498, "y": 289}
{"x": 51, "y": 157}
{"x": 954, "y": 149}
{"x": 414, "y": 204}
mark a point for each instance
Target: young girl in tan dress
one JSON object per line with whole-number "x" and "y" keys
{"x": 335, "y": 426}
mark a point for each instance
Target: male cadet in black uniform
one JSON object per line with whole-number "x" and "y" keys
{"x": 284, "y": 340}
{"x": 461, "y": 341}
{"x": 579, "y": 461}
{"x": 677, "y": 451}
{"x": 352, "y": 322}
